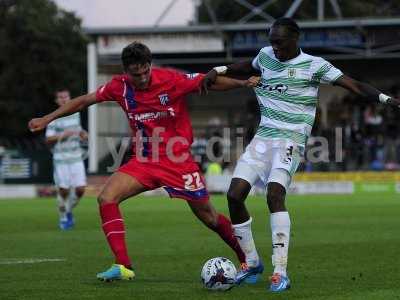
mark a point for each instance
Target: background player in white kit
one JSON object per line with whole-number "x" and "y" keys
{"x": 287, "y": 96}
{"x": 65, "y": 136}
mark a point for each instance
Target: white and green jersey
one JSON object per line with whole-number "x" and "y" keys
{"x": 288, "y": 94}
{"x": 68, "y": 150}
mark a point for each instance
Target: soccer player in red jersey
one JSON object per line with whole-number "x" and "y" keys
{"x": 154, "y": 102}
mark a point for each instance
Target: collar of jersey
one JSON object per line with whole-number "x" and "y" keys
{"x": 290, "y": 61}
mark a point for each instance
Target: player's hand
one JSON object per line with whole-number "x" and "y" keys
{"x": 83, "y": 135}
{"x": 253, "y": 81}
{"x": 37, "y": 124}
{"x": 68, "y": 133}
{"x": 208, "y": 81}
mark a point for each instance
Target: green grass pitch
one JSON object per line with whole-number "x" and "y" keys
{"x": 342, "y": 247}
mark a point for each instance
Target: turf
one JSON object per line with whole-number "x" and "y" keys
{"x": 342, "y": 247}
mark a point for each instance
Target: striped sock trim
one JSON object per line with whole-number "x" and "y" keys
{"x": 114, "y": 232}
{"x": 106, "y": 223}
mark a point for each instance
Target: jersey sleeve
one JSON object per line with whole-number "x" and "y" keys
{"x": 107, "y": 92}
{"x": 255, "y": 64}
{"x": 325, "y": 72}
{"x": 188, "y": 83}
{"x": 51, "y": 129}
{"x": 79, "y": 121}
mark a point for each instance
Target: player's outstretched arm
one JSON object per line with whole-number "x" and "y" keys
{"x": 223, "y": 83}
{"x": 365, "y": 90}
{"x": 73, "y": 106}
{"x": 237, "y": 69}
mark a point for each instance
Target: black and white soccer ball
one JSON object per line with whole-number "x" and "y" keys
{"x": 218, "y": 274}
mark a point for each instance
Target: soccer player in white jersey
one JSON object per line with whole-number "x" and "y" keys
{"x": 287, "y": 95}
{"x": 64, "y": 136}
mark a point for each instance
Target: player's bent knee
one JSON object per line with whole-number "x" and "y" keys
{"x": 234, "y": 197}
{"x": 79, "y": 191}
{"x": 63, "y": 192}
{"x": 238, "y": 191}
{"x": 276, "y": 197}
{"x": 103, "y": 198}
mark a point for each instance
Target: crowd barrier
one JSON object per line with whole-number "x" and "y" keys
{"x": 303, "y": 183}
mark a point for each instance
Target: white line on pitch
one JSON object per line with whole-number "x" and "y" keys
{"x": 16, "y": 261}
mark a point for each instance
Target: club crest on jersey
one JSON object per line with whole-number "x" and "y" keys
{"x": 291, "y": 72}
{"x": 164, "y": 99}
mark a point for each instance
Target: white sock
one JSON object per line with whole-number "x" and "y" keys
{"x": 62, "y": 211}
{"x": 244, "y": 237}
{"x": 280, "y": 229}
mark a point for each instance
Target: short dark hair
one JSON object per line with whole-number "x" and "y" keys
{"x": 289, "y": 24}
{"x": 135, "y": 54}
{"x": 61, "y": 89}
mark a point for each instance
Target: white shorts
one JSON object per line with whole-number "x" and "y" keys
{"x": 268, "y": 160}
{"x": 69, "y": 175}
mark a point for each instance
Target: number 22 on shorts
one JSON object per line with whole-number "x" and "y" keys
{"x": 193, "y": 181}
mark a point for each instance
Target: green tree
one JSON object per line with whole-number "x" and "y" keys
{"x": 42, "y": 48}
{"x": 231, "y": 11}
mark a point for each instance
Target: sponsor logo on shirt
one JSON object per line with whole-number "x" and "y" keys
{"x": 192, "y": 75}
{"x": 281, "y": 88}
{"x": 151, "y": 116}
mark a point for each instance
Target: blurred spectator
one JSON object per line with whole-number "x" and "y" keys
{"x": 2, "y": 152}
{"x": 378, "y": 158}
{"x": 372, "y": 120}
{"x": 252, "y": 118}
{"x": 217, "y": 146}
{"x": 356, "y": 146}
{"x": 215, "y": 122}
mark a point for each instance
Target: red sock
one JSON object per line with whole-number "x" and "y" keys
{"x": 113, "y": 227}
{"x": 225, "y": 231}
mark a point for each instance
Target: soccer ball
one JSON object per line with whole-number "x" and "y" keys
{"x": 218, "y": 274}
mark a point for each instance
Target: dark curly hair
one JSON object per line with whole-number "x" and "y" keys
{"x": 135, "y": 54}
{"x": 289, "y": 24}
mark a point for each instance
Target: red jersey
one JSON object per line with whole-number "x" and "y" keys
{"x": 158, "y": 115}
